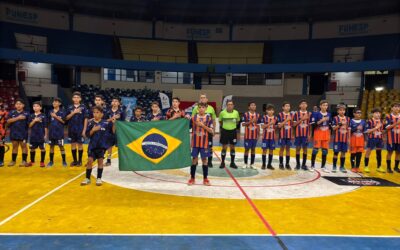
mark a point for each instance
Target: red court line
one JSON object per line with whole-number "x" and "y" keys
{"x": 250, "y": 201}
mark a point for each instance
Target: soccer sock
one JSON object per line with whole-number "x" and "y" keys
{"x": 99, "y": 173}
{"x": 253, "y": 157}
{"x": 280, "y": 160}
{"x": 342, "y": 160}
{"x": 396, "y": 164}
{"x": 233, "y": 156}
{"x": 314, "y": 156}
{"x": 366, "y": 161}
{"x": 209, "y": 160}
{"x": 389, "y": 164}
{"x": 334, "y": 162}
{"x": 24, "y": 157}
{"x": 63, "y": 155}
{"x": 14, "y": 157}
{"x": 88, "y": 173}
{"x": 2, "y": 150}
{"x": 80, "y": 154}
{"x": 264, "y": 159}
{"x": 379, "y": 157}
{"x": 205, "y": 171}
{"x": 193, "y": 171}
{"x": 246, "y": 158}
{"x": 323, "y": 161}
{"x": 304, "y": 159}
{"x": 298, "y": 159}
{"x": 287, "y": 160}
{"x": 270, "y": 159}
{"x": 73, "y": 151}
{"x": 358, "y": 159}
{"x": 42, "y": 155}
{"x": 33, "y": 154}
{"x": 352, "y": 160}
{"x": 223, "y": 155}
{"x": 51, "y": 156}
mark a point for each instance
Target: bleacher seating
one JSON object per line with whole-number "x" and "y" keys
{"x": 230, "y": 53}
{"x": 144, "y": 96}
{"x": 378, "y": 99}
{"x": 154, "y": 51}
{"x": 9, "y": 93}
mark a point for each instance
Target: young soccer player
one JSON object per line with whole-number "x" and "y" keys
{"x": 268, "y": 143}
{"x": 3, "y": 121}
{"x": 175, "y": 112}
{"x": 228, "y": 118}
{"x": 301, "y": 122}
{"x": 374, "y": 132}
{"x": 115, "y": 113}
{"x": 155, "y": 114}
{"x": 341, "y": 130}
{"x": 56, "y": 131}
{"x": 251, "y": 120}
{"x": 77, "y": 117}
{"x": 99, "y": 102}
{"x": 98, "y": 130}
{"x": 392, "y": 127}
{"x": 18, "y": 123}
{"x": 321, "y": 121}
{"x": 38, "y": 135}
{"x": 202, "y": 128}
{"x": 357, "y": 129}
{"x": 138, "y": 116}
{"x": 285, "y": 125}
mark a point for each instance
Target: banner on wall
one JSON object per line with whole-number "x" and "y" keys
{"x": 226, "y": 99}
{"x": 130, "y": 104}
{"x": 164, "y": 101}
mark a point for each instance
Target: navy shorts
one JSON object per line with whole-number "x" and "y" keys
{"x": 96, "y": 153}
{"x": 393, "y": 147}
{"x": 301, "y": 141}
{"x": 35, "y": 145}
{"x": 204, "y": 152}
{"x": 76, "y": 138}
{"x": 56, "y": 142}
{"x": 250, "y": 143}
{"x": 268, "y": 144}
{"x": 340, "y": 147}
{"x": 375, "y": 143}
{"x": 285, "y": 142}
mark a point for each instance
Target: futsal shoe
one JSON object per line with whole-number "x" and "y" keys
{"x": 50, "y": 164}
{"x": 1, "y": 164}
{"x": 325, "y": 170}
{"x": 287, "y": 166}
{"x": 263, "y": 167}
{"x": 246, "y": 165}
{"x": 210, "y": 165}
{"x": 108, "y": 163}
{"x": 270, "y": 167}
{"x": 11, "y": 164}
{"x": 79, "y": 164}
{"x": 42, "y": 165}
{"x": 281, "y": 167}
{"x": 191, "y": 182}
{"x": 222, "y": 165}
{"x": 366, "y": 170}
{"x": 85, "y": 182}
{"x": 252, "y": 167}
{"x": 358, "y": 170}
{"x": 380, "y": 170}
{"x": 99, "y": 182}
{"x": 389, "y": 170}
{"x": 312, "y": 169}
{"x": 354, "y": 170}
{"x": 297, "y": 167}
{"x": 233, "y": 165}
{"x": 206, "y": 182}
{"x": 343, "y": 170}
{"x": 397, "y": 170}
{"x": 304, "y": 167}
{"x": 64, "y": 164}
{"x": 73, "y": 164}
{"x": 26, "y": 164}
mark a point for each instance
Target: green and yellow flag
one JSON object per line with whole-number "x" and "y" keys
{"x": 145, "y": 146}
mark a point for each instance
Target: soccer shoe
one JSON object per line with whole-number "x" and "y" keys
{"x": 79, "y": 164}
{"x": 99, "y": 182}
{"x": 304, "y": 167}
{"x": 42, "y": 165}
{"x": 366, "y": 170}
{"x": 233, "y": 165}
{"x": 334, "y": 169}
{"x": 11, "y": 164}
{"x": 206, "y": 182}
{"x": 325, "y": 170}
{"x": 25, "y": 164}
{"x": 86, "y": 182}
{"x": 222, "y": 165}
{"x": 312, "y": 169}
{"x": 281, "y": 167}
{"x": 108, "y": 163}
{"x": 297, "y": 167}
{"x": 65, "y": 164}
{"x": 270, "y": 167}
{"x": 210, "y": 165}
{"x": 397, "y": 170}
{"x": 343, "y": 170}
{"x": 1, "y": 164}
{"x": 390, "y": 171}
{"x": 287, "y": 166}
{"x": 73, "y": 164}
{"x": 191, "y": 181}
{"x": 380, "y": 170}
{"x": 50, "y": 164}
{"x": 246, "y": 165}
{"x": 252, "y": 166}
{"x": 263, "y": 167}
{"x": 354, "y": 170}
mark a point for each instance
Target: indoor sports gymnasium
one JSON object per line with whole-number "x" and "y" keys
{"x": 184, "y": 124}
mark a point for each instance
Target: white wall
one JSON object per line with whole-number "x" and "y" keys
{"x": 91, "y": 76}
{"x": 34, "y": 16}
{"x": 293, "y": 31}
{"x": 36, "y": 72}
{"x": 106, "y": 26}
{"x": 347, "y": 80}
{"x": 192, "y": 31}
{"x": 293, "y": 84}
{"x": 358, "y": 27}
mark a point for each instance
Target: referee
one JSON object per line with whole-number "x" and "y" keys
{"x": 228, "y": 118}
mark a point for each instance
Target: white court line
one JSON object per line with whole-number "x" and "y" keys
{"x": 183, "y": 235}
{"x": 43, "y": 197}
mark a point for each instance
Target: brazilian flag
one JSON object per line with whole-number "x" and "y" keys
{"x": 145, "y": 146}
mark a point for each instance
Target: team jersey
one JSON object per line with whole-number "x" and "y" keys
{"x": 137, "y": 119}
{"x": 19, "y": 129}
{"x": 269, "y": 132}
{"x": 321, "y": 131}
{"x": 38, "y": 129}
{"x": 253, "y": 129}
{"x": 76, "y": 122}
{"x": 286, "y": 132}
{"x": 151, "y": 116}
{"x": 200, "y": 135}
{"x": 357, "y": 129}
{"x": 393, "y": 134}
{"x": 209, "y": 110}
{"x": 56, "y": 128}
{"x": 342, "y": 133}
{"x": 99, "y": 139}
{"x": 170, "y": 113}
{"x": 110, "y": 113}
{"x": 302, "y": 129}
{"x": 377, "y": 134}
{"x": 3, "y": 120}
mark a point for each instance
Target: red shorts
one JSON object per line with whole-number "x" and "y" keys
{"x": 356, "y": 144}
{"x": 321, "y": 144}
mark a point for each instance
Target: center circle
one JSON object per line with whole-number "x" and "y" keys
{"x": 154, "y": 146}
{"x": 238, "y": 173}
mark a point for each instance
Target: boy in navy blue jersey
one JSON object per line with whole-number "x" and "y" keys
{"x": 155, "y": 114}
{"x": 115, "y": 113}
{"x": 138, "y": 116}
{"x": 38, "y": 127}
{"x": 77, "y": 115}
{"x": 98, "y": 130}
{"x": 56, "y": 131}
{"x": 99, "y": 102}
{"x": 18, "y": 124}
